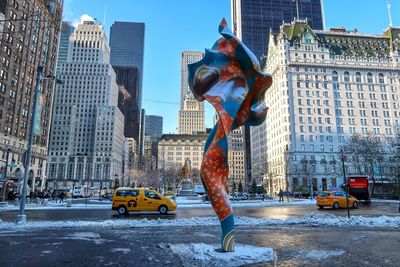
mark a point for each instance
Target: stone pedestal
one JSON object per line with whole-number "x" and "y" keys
{"x": 187, "y": 189}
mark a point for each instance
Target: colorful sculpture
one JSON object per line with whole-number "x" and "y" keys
{"x": 229, "y": 77}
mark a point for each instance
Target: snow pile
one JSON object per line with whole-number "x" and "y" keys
{"x": 308, "y": 220}
{"x": 319, "y": 254}
{"x": 200, "y": 254}
{"x": 87, "y": 236}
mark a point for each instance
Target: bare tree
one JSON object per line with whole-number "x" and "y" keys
{"x": 365, "y": 152}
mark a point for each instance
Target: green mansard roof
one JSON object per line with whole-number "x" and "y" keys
{"x": 346, "y": 43}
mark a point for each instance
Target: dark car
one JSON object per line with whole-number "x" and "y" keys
{"x": 106, "y": 196}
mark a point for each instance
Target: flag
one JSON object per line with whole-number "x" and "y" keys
{"x": 37, "y": 129}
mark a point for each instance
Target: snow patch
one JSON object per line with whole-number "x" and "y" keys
{"x": 320, "y": 254}
{"x": 200, "y": 254}
{"x": 308, "y": 220}
{"x": 121, "y": 250}
{"x": 87, "y": 236}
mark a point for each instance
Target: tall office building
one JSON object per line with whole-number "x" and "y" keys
{"x": 328, "y": 86}
{"x": 66, "y": 31}
{"x": 128, "y": 99}
{"x": 236, "y": 158}
{"x": 191, "y": 117}
{"x": 127, "y": 55}
{"x": 154, "y": 126}
{"x": 26, "y": 45}
{"x": 86, "y": 143}
{"x": 252, "y": 20}
{"x": 141, "y": 138}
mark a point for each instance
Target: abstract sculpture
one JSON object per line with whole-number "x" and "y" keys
{"x": 229, "y": 77}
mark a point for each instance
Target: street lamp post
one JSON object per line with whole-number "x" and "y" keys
{"x": 345, "y": 182}
{"x": 21, "y": 217}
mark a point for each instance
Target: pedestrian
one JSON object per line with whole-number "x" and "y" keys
{"x": 61, "y": 196}
{"x": 287, "y": 195}
{"x": 280, "y": 194}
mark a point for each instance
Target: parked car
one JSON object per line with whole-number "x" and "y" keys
{"x": 128, "y": 199}
{"x": 335, "y": 199}
{"x": 106, "y": 196}
{"x": 81, "y": 191}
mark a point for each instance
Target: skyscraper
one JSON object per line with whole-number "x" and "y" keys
{"x": 127, "y": 49}
{"x": 153, "y": 126}
{"x": 26, "y": 44}
{"x": 128, "y": 99}
{"x": 86, "y": 143}
{"x": 127, "y": 53}
{"x": 252, "y": 20}
{"x": 66, "y": 31}
{"x": 191, "y": 114}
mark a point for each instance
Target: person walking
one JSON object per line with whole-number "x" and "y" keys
{"x": 280, "y": 194}
{"x": 61, "y": 196}
{"x": 287, "y": 193}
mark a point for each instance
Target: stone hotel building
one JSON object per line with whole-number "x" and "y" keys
{"x": 328, "y": 86}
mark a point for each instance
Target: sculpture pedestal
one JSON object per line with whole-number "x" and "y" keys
{"x": 187, "y": 190}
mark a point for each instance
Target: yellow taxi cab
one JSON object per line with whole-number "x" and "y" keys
{"x": 127, "y": 199}
{"x": 335, "y": 199}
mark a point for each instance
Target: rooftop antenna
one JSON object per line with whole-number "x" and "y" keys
{"x": 297, "y": 9}
{"x": 390, "y": 16}
{"x": 105, "y": 13}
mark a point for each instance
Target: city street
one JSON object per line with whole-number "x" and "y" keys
{"x": 200, "y": 210}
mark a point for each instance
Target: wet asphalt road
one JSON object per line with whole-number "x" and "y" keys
{"x": 280, "y": 212}
{"x": 292, "y": 246}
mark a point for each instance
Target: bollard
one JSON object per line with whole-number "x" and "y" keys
{"x": 69, "y": 202}
{"x": 45, "y": 202}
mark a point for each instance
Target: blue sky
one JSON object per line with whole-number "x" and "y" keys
{"x": 177, "y": 25}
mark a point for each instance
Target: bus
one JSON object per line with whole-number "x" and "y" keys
{"x": 358, "y": 187}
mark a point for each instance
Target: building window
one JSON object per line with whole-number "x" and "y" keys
{"x": 346, "y": 76}
{"x": 369, "y": 77}
{"x": 334, "y": 76}
{"x": 358, "y": 77}
{"x": 381, "y": 78}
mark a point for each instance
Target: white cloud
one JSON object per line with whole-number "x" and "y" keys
{"x": 84, "y": 17}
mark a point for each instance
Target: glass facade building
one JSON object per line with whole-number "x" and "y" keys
{"x": 127, "y": 54}
{"x": 127, "y": 47}
{"x": 253, "y": 19}
{"x": 66, "y": 31}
